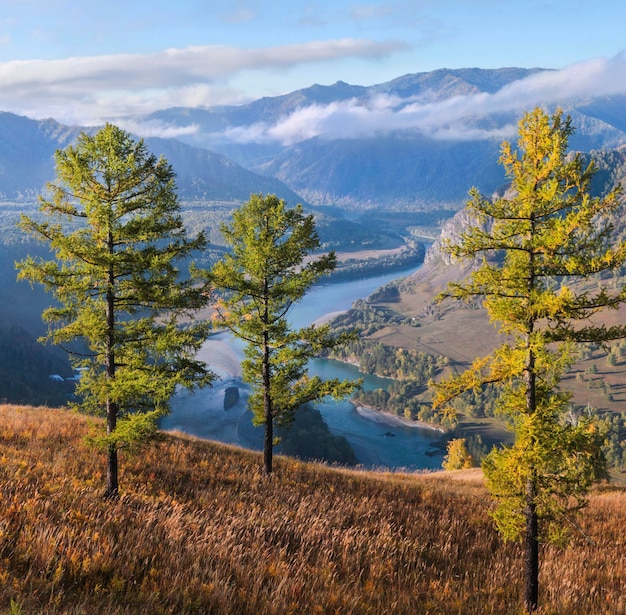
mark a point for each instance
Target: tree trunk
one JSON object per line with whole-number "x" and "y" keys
{"x": 112, "y": 489}
{"x": 531, "y": 533}
{"x": 268, "y": 444}
{"x": 531, "y": 550}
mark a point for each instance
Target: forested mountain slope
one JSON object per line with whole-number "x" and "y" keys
{"x": 461, "y": 332}
{"x": 349, "y": 145}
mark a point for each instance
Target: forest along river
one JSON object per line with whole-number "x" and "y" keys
{"x": 378, "y": 440}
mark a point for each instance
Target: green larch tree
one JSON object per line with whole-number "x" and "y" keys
{"x": 111, "y": 220}
{"x": 269, "y": 270}
{"x": 536, "y": 252}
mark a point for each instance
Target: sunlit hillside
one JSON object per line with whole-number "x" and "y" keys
{"x": 198, "y": 529}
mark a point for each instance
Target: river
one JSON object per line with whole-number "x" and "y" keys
{"x": 377, "y": 440}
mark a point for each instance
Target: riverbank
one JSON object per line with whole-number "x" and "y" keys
{"x": 322, "y": 320}
{"x": 386, "y": 418}
{"x": 377, "y": 444}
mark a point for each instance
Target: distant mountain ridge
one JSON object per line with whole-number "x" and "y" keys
{"x": 395, "y": 170}
{"x": 217, "y": 158}
{"x": 26, "y": 154}
{"x": 440, "y": 84}
{"x": 27, "y": 150}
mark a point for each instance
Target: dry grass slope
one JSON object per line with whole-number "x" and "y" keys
{"x": 199, "y": 530}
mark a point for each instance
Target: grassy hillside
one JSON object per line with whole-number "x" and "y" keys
{"x": 198, "y": 529}
{"x": 461, "y": 332}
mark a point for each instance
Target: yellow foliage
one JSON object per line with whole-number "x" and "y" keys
{"x": 457, "y": 457}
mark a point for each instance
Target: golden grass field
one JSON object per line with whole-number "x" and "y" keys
{"x": 199, "y": 529}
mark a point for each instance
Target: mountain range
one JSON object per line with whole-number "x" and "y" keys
{"x": 27, "y": 163}
{"x": 340, "y": 145}
{"x": 371, "y": 180}
{"x": 352, "y": 146}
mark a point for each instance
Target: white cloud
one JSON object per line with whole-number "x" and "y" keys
{"x": 91, "y": 89}
{"x": 154, "y": 128}
{"x": 173, "y": 67}
{"x": 460, "y": 117}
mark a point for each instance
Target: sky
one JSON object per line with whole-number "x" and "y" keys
{"x": 85, "y": 63}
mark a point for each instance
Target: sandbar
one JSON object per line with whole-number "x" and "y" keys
{"x": 386, "y": 418}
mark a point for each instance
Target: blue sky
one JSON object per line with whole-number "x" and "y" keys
{"x": 85, "y": 62}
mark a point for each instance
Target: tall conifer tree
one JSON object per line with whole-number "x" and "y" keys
{"x": 537, "y": 253}
{"x": 112, "y": 222}
{"x": 266, "y": 273}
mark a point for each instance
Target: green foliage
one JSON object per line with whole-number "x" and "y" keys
{"x": 266, "y": 273}
{"x": 532, "y": 252}
{"x": 389, "y": 293}
{"x": 308, "y": 437}
{"x": 389, "y": 361}
{"x": 410, "y": 370}
{"x": 561, "y": 459}
{"x": 476, "y": 448}
{"x": 612, "y": 431}
{"x": 15, "y": 608}
{"x": 354, "y": 267}
{"x": 368, "y": 318}
{"x": 112, "y": 222}
{"x": 131, "y": 432}
{"x": 477, "y": 402}
{"x": 399, "y": 398}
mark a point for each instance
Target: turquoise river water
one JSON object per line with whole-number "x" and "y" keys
{"x": 378, "y": 441}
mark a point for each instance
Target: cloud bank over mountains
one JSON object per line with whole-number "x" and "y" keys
{"x": 122, "y": 88}
{"x": 455, "y": 118}
{"x": 89, "y": 90}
